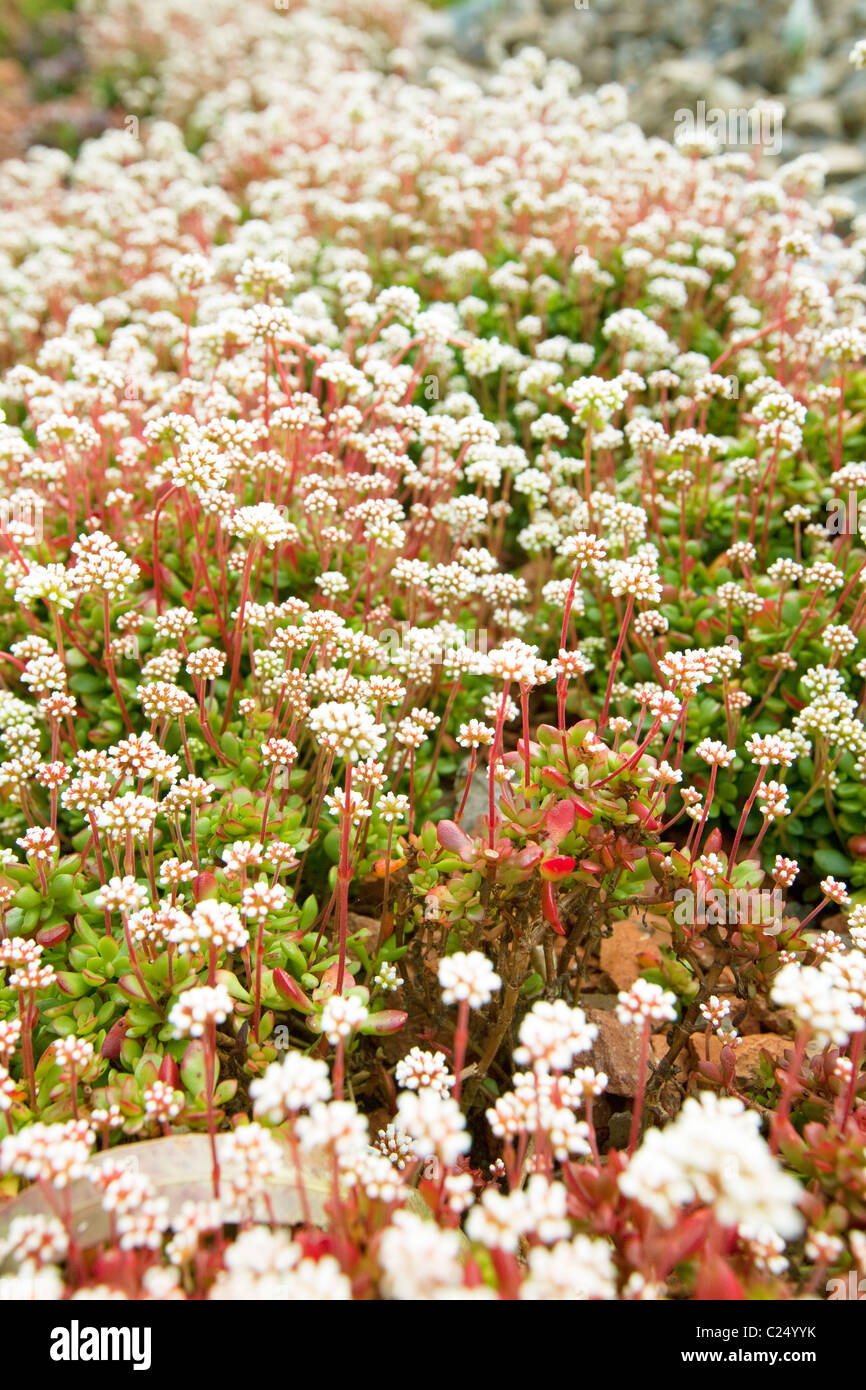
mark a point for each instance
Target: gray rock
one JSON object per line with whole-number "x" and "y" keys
{"x": 814, "y": 81}
{"x": 856, "y": 189}
{"x": 817, "y": 117}
{"x": 844, "y": 161}
{"x": 748, "y": 65}
{"x": 568, "y": 36}
{"x": 851, "y": 102}
{"x": 679, "y": 85}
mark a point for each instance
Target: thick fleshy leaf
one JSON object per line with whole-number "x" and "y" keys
{"x": 169, "y": 1071}
{"x": 289, "y": 989}
{"x": 452, "y": 838}
{"x": 114, "y": 1040}
{"x": 385, "y": 1021}
{"x": 52, "y": 936}
{"x": 556, "y": 867}
{"x": 549, "y": 909}
{"x": 559, "y": 820}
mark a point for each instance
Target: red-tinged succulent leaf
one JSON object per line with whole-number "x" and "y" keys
{"x": 581, "y": 810}
{"x": 114, "y": 1039}
{"x": 552, "y": 777}
{"x": 52, "y": 936}
{"x": 637, "y": 808}
{"x": 225, "y": 1091}
{"x": 535, "y": 749}
{"x": 452, "y": 838}
{"x": 557, "y": 867}
{"x": 681, "y": 863}
{"x": 657, "y": 864}
{"x": 548, "y": 908}
{"x": 728, "y": 1059}
{"x": 385, "y": 1021}
{"x": 559, "y": 820}
{"x": 527, "y": 857}
{"x": 717, "y": 1282}
{"x": 204, "y": 885}
{"x": 289, "y": 989}
{"x": 76, "y": 985}
{"x": 169, "y": 1071}
{"x": 328, "y": 983}
{"x": 687, "y": 1237}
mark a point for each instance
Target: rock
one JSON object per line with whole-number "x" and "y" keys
{"x": 355, "y": 923}
{"x": 746, "y": 65}
{"x": 433, "y": 27}
{"x": 844, "y": 161}
{"x": 747, "y": 1067}
{"x": 818, "y": 117}
{"x": 852, "y": 102}
{"x": 179, "y": 1168}
{"x": 593, "y": 999}
{"x": 477, "y": 808}
{"x": 623, "y": 956}
{"x": 567, "y": 37}
{"x": 616, "y": 1051}
{"x": 677, "y": 86}
{"x": 619, "y": 1129}
{"x": 856, "y": 190}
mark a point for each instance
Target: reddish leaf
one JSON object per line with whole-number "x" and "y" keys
{"x": 113, "y": 1043}
{"x": 52, "y": 936}
{"x": 451, "y": 837}
{"x": 169, "y": 1072}
{"x": 204, "y": 885}
{"x": 557, "y": 867}
{"x": 289, "y": 988}
{"x": 717, "y": 1282}
{"x": 549, "y": 910}
{"x": 559, "y": 820}
{"x": 385, "y": 1021}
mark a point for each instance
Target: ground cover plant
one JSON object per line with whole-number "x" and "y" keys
{"x": 430, "y": 550}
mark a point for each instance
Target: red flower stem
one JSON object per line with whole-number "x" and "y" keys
{"x": 344, "y": 874}
{"x": 615, "y": 662}
{"x": 461, "y": 1042}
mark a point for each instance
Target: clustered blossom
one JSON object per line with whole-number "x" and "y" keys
{"x": 646, "y": 1003}
{"x": 197, "y": 1008}
{"x": 822, "y": 998}
{"x": 468, "y": 977}
{"x": 294, "y": 1084}
{"x": 713, "y": 1153}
